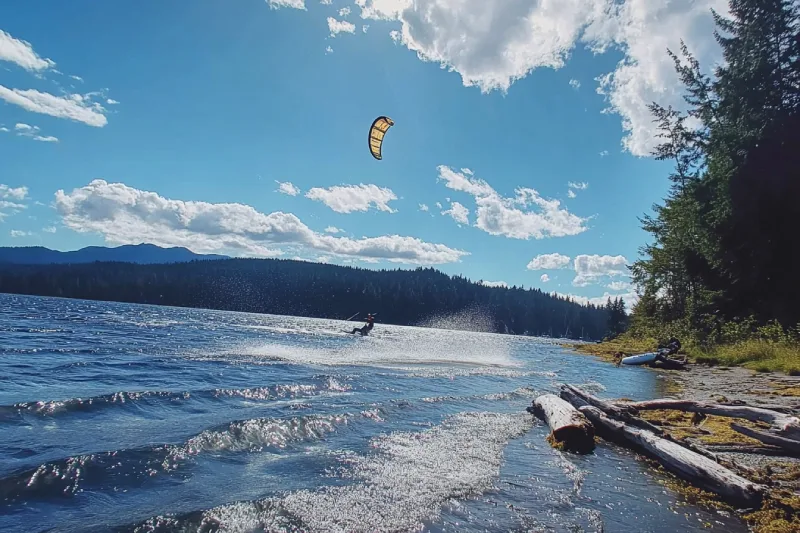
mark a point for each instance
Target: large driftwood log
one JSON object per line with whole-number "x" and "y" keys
{"x": 769, "y": 438}
{"x": 567, "y": 425}
{"x": 685, "y": 463}
{"x": 786, "y": 425}
{"x": 579, "y": 397}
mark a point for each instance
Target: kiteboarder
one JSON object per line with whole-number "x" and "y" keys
{"x": 367, "y": 327}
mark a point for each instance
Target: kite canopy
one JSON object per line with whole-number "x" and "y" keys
{"x": 376, "y": 133}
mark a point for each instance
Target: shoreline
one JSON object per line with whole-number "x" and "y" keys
{"x": 729, "y": 384}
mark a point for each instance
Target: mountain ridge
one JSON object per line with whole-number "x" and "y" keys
{"x": 129, "y": 253}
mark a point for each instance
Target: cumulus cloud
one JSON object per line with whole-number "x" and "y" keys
{"x": 493, "y": 43}
{"x": 344, "y": 11}
{"x": 13, "y": 193}
{"x": 619, "y": 285}
{"x": 3, "y": 129}
{"x": 111, "y": 101}
{"x": 328, "y": 50}
{"x": 340, "y": 26}
{"x": 349, "y": 198}
{"x": 575, "y": 84}
{"x": 332, "y": 230}
{"x": 125, "y": 215}
{"x": 525, "y": 216}
{"x": 77, "y": 107}
{"x": 545, "y": 278}
{"x": 494, "y": 284}
{"x": 26, "y": 130}
{"x": 571, "y": 193}
{"x": 423, "y": 207}
{"x": 277, "y": 4}
{"x": 582, "y": 186}
{"x": 630, "y": 299}
{"x": 287, "y": 187}
{"x": 549, "y": 262}
{"x": 458, "y": 212}
{"x": 22, "y": 53}
{"x": 591, "y": 268}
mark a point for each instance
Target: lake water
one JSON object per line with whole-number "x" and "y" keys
{"x": 117, "y": 417}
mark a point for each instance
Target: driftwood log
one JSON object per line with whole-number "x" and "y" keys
{"x": 568, "y": 426}
{"x": 784, "y": 425}
{"x": 579, "y": 397}
{"x": 685, "y": 463}
{"x": 790, "y": 445}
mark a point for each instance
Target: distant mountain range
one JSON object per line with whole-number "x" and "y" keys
{"x": 145, "y": 254}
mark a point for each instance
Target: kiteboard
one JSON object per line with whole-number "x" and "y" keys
{"x": 641, "y": 359}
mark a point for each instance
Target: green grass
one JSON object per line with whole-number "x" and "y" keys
{"x": 758, "y": 355}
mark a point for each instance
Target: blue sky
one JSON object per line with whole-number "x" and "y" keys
{"x": 176, "y": 122}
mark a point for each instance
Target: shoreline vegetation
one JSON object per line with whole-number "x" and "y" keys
{"x": 780, "y": 354}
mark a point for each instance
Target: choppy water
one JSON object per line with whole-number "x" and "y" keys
{"x": 119, "y": 417}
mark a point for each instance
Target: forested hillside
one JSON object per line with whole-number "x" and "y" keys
{"x": 725, "y": 252}
{"x": 405, "y": 297}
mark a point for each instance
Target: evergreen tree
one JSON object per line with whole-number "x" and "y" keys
{"x": 724, "y": 245}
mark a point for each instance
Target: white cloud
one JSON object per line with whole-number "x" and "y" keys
{"x": 328, "y": 50}
{"x": 423, "y": 207}
{"x": 458, "y": 212}
{"x": 338, "y": 26}
{"x": 111, "y": 101}
{"x": 493, "y": 43}
{"x": 326, "y": 2}
{"x": 79, "y": 108}
{"x": 525, "y": 216}
{"x": 604, "y": 153}
{"x": 591, "y": 268}
{"x": 76, "y": 78}
{"x": 349, "y": 198}
{"x": 26, "y": 130}
{"x": 438, "y": 205}
{"x": 582, "y": 186}
{"x": 19, "y": 233}
{"x": 644, "y": 30}
{"x": 277, "y": 4}
{"x": 125, "y": 215}
{"x": 571, "y": 193}
{"x": 21, "y": 53}
{"x": 344, "y": 11}
{"x": 549, "y": 262}
{"x": 3, "y": 129}
{"x": 575, "y": 84}
{"x": 332, "y": 230}
{"x": 49, "y": 229}
{"x": 364, "y": 28}
{"x": 494, "y": 283}
{"x": 630, "y": 299}
{"x": 545, "y": 278}
{"x": 619, "y": 285}
{"x": 14, "y": 193}
{"x": 287, "y": 187}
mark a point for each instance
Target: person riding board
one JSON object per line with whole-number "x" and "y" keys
{"x": 367, "y": 327}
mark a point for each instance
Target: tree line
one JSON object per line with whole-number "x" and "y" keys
{"x": 287, "y": 287}
{"x": 725, "y": 245}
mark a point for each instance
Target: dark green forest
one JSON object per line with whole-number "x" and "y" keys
{"x": 405, "y": 297}
{"x": 725, "y": 249}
